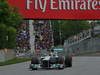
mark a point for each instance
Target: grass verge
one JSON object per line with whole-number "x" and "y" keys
{"x": 14, "y": 61}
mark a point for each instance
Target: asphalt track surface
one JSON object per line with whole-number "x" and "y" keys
{"x": 81, "y": 66}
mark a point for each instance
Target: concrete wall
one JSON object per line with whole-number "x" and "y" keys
{"x": 88, "y": 45}
{"x": 2, "y": 56}
{"x": 6, "y": 55}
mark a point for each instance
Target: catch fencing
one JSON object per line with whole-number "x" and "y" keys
{"x": 82, "y": 43}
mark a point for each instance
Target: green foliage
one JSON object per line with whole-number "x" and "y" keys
{"x": 95, "y": 22}
{"x": 65, "y": 28}
{"x": 3, "y": 33}
{"x": 55, "y": 27}
{"x": 11, "y": 37}
{"x": 14, "y": 18}
{"x": 9, "y": 21}
{"x": 9, "y": 16}
{"x": 73, "y": 27}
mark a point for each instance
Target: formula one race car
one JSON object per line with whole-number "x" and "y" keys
{"x": 55, "y": 60}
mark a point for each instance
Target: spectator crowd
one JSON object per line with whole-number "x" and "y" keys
{"x": 42, "y": 32}
{"x": 43, "y": 35}
{"x": 23, "y": 37}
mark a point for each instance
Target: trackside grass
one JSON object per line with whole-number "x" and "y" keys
{"x": 14, "y": 61}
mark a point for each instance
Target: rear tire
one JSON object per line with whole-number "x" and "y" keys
{"x": 34, "y": 68}
{"x": 60, "y": 68}
{"x": 68, "y": 61}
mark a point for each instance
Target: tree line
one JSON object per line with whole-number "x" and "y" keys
{"x": 63, "y": 29}
{"x": 9, "y": 20}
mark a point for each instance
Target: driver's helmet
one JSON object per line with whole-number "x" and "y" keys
{"x": 54, "y": 54}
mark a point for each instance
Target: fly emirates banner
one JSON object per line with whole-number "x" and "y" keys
{"x": 57, "y": 9}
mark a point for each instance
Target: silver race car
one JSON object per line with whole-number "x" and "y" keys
{"x": 55, "y": 60}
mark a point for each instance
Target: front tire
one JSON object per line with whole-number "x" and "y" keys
{"x": 34, "y": 61}
{"x": 61, "y": 61}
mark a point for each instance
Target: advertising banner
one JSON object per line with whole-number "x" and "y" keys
{"x": 57, "y": 9}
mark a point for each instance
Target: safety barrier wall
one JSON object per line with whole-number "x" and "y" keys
{"x": 6, "y": 55}
{"x": 88, "y": 45}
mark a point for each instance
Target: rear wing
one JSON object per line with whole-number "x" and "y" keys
{"x": 58, "y": 50}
